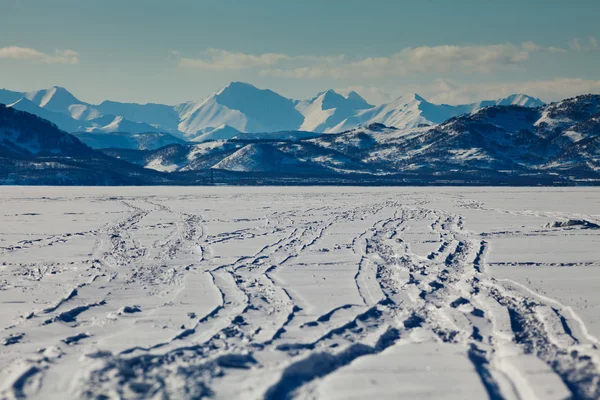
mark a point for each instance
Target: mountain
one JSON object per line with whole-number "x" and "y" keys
{"x": 329, "y": 109}
{"x": 292, "y": 136}
{"x": 56, "y": 99}
{"x": 9, "y": 97}
{"x": 126, "y": 140}
{"x": 226, "y": 132}
{"x": 176, "y": 157}
{"x": 33, "y": 151}
{"x": 412, "y": 110}
{"x": 512, "y": 143}
{"x": 62, "y": 120}
{"x": 101, "y": 124}
{"x": 552, "y": 144}
{"x": 520, "y": 99}
{"x": 162, "y": 117}
{"x": 222, "y": 132}
{"x": 110, "y": 123}
{"x": 23, "y": 134}
{"x": 242, "y": 107}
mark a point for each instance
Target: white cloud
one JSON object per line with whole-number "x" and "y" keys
{"x": 24, "y": 53}
{"x": 218, "y": 60}
{"x": 448, "y": 91}
{"x": 453, "y": 92}
{"x": 413, "y": 60}
{"x": 591, "y": 44}
{"x": 214, "y": 59}
{"x": 531, "y": 46}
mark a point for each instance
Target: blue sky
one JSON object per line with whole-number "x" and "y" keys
{"x": 176, "y": 50}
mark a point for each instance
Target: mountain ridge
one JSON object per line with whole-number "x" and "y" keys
{"x": 245, "y": 108}
{"x": 555, "y": 144}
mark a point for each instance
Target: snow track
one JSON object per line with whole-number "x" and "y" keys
{"x": 288, "y": 293}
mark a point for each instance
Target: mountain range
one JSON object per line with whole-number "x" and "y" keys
{"x": 513, "y": 141}
{"x": 234, "y": 110}
{"x": 34, "y": 151}
{"x": 557, "y": 143}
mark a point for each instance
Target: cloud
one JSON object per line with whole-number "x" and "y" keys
{"x": 216, "y": 60}
{"x": 453, "y": 92}
{"x": 591, "y": 44}
{"x": 24, "y": 53}
{"x": 449, "y": 91}
{"x": 533, "y": 47}
{"x": 412, "y": 60}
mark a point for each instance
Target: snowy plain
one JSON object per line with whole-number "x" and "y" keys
{"x": 310, "y": 293}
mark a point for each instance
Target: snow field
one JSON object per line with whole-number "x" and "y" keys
{"x": 303, "y": 293}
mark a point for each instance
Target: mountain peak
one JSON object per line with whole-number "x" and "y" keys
{"x": 59, "y": 89}
{"x": 406, "y": 98}
{"x": 55, "y": 98}
{"x": 520, "y": 99}
{"x": 238, "y": 86}
{"x": 352, "y": 95}
{"x": 244, "y": 107}
{"x": 413, "y": 97}
{"x": 331, "y": 94}
{"x": 418, "y": 97}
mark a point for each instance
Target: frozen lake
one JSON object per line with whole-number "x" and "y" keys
{"x": 327, "y": 293}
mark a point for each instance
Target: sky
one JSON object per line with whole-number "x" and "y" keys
{"x": 178, "y": 50}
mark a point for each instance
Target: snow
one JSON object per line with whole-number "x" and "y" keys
{"x": 314, "y": 292}
{"x": 158, "y": 165}
{"x": 222, "y": 132}
{"x": 204, "y": 148}
{"x": 520, "y": 99}
{"x": 83, "y": 112}
{"x": 468, "y": 154}
{"x": 574, "y": 136}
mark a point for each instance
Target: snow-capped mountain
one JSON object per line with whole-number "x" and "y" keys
{"x": 496, "y": 140}
{"x": 126, "y": 140}
{"x": 412, "y": 110}
{"x": 242, "y": 107}
{"x": 329, "y": 109}
{"x": 64, "y": 121}
{"x": 24, "y": 134}
{"x": 56, "y": 99}
{"x": 33, "y": 151}
{"x": 9, "y": 97}
{"x": 557, "y": 143}
{"x": 162, "y": 117}
{"x": 223, "y": 132}
{"x": 519, "y": 99}
{"x": 179, "y": 158}
{"x": 69, "y": 113}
